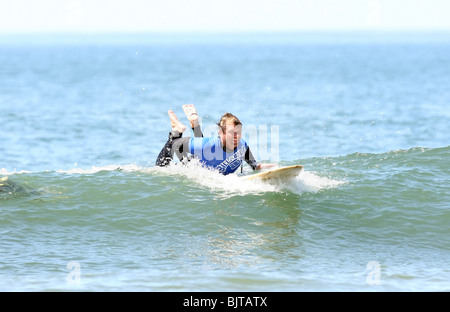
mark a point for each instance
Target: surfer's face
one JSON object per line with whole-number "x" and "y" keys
{"x": 231, "y": 135}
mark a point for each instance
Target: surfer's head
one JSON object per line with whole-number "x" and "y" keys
{"x": 230, "y": 130}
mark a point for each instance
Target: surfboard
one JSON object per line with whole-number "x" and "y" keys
{"x": 277, "y": 174}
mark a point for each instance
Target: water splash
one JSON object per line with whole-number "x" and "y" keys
{"x": 95, "y": 169}
{"x": 229, "y": 185}
{"x": 234, "y": 184}
{"x": 5, "y": 172}
{"x": 311, "y": 182}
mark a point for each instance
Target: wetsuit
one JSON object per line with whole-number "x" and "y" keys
{"x": 209, "y": 151}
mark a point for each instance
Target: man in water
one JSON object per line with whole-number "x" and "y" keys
{"x": 223, "y": 153}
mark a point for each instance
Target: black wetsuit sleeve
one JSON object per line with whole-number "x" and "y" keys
{"x": 198, "y": 132}
{"x": 180, "y": 147}
{"x": 175, "y": 144}
{"x": 250, "y": 159}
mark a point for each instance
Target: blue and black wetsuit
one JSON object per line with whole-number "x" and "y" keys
{"x": 210, "y": 152}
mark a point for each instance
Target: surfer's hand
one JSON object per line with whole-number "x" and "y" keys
{"x": 264, "y": 166}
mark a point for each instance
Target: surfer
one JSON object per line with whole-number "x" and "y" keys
{"x": 224, "y": 153}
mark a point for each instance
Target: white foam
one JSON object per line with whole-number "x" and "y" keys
{"x": 5, "y": 172}
{"x": 310, "y": 182}
{"x": 306, "y": 181}
{"x": 95, "y": 169}
{"x": 232, "y": 184}
{"x": 215, "y": 181}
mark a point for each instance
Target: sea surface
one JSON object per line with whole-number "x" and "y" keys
{"x": 83, "y": 207}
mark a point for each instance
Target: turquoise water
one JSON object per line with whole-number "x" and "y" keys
{"x": 83, "y": 207}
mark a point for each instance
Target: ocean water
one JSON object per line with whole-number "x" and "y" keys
{"x": 83, "y": 117}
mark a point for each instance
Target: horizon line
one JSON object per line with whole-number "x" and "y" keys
{"x": 226, "y": 37}
{"x": 232, "y": 31}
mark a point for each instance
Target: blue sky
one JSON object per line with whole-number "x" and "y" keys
{"x": 223, "y": 15}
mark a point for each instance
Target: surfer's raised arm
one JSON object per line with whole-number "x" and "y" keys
{"x": 224, "y": 153}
